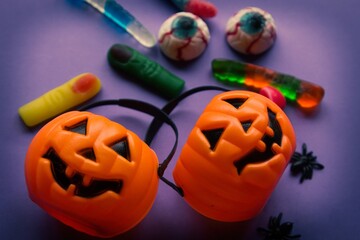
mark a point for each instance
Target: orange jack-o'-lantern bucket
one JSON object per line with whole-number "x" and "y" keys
{"x": 234, "y": 156}
{"x": 93, "y": 174}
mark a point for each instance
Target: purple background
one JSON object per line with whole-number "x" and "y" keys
{"x": 45, "y": 43}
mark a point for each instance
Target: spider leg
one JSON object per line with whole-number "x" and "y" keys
{"x": 295, "y": 157}
{"x": 296, "y": 166}
{"x": 309, "y": 154}
{"x": 272, "y": 222}
{"x": 306, "y": 169}
{"x": 318, "y": 166}
{"x": 304, "y": 174}
{"x": 278, "y": 219}
{"x": 304, "y": 149}
{"x": 307, "y": 172}
{"x": 297, "y": 236}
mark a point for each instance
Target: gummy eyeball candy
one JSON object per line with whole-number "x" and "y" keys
{"x": 251, "y": 31}
{"x": 183, "y": 36}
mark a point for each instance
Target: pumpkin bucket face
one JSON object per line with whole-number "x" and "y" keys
{"x": 91, "y": 173}
{"x": 234, "y": 156}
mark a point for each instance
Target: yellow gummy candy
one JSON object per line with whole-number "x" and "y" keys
{"x": 60, "y": 99}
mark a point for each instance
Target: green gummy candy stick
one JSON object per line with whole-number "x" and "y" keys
{"x": 145, "y": 71}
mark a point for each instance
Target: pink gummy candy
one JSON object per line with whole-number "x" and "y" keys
{"x": 274, "y": 95}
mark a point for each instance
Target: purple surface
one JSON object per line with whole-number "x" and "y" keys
{"x": 44, "y": 43}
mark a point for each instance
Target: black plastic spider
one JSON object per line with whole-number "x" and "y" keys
{"x": 304, "y": 163}
{"x": 277, "y": 230}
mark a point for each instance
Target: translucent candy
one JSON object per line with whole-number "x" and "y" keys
{"x": 305, "y": 94}
{"x": 124, "y": 19}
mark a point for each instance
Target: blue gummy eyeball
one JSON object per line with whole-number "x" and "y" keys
{"x": 183, "y": 36}
{"x": 184, "y": 27}
{"x": 251, "y": 31}
{"x": 252, "y": 22}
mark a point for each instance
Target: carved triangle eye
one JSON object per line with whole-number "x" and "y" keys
{"x": 236, "y": 102}
{"x": 79, "y": 128}
{"x": 246, "y": 125}
{"x": 88, "y": 153}
{"x": 122, "y": 148}
{"x": 213, "y": 136}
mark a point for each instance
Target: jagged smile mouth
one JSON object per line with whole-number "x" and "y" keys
{"x": 74, "y": 181}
